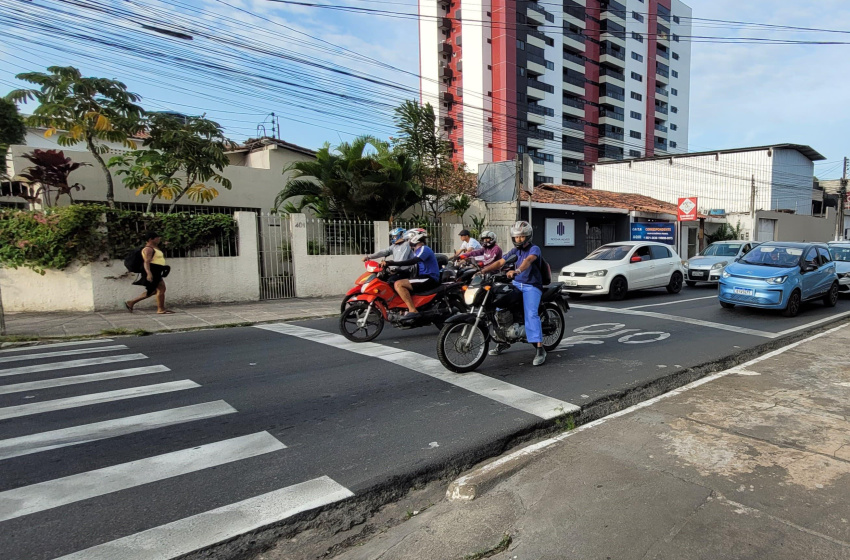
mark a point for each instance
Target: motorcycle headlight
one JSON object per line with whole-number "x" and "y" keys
{"x": 469, "y": 296}
{"x": 686, "y": 264}
{"x": 725, "y": 274}
{"x": 718, "y": 266}
{"x": 597, "y": 273}
{"x": 777, "y": 280}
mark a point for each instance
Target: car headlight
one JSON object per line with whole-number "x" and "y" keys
{"x": 718, "y": 266}
{"x": 686, "y": 264}
{"x": 725, "y": 274}
{"x": 777, "y": 280}
{"x": 597, "y": 273}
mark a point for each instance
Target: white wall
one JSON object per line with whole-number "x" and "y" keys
{"x": 477, "y": 80}
{"x": 429, "y": 58}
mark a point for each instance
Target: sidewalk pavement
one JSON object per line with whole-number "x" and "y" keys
{"x": 146, "y": 318}
{"x": 749, "y": 463}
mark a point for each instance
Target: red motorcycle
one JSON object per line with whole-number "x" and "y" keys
{"x": 364, "y": 313}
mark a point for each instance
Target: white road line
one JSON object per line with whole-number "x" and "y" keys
{"x": 672, "y": 302}
{"x": 95, "y": 398}
{"x": 56, "y": 345}
{"x": 45, "y": 441}
{"x": 62, "y": 491}
{"x": 813, "y": 323}
{"x": 676, "y": 318}
{"x": 218, "y": 525}
{"x": 499, "y": 391}
{"x": 56, "y": 366}
{"x": 21, "y": 358}
{"x": 76, "y": 379}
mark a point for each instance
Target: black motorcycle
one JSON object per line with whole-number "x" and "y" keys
{"x": 496, "y": 312}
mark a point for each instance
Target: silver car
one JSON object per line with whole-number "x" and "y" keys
{"x": 707, "y": 266}
{"x": 840, "y": 252}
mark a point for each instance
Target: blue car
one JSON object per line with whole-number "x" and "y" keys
{"x": 777, "y": 275}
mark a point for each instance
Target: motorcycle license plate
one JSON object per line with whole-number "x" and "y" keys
{"x": 570, "y": 283}
{"x": 744, "y": 292}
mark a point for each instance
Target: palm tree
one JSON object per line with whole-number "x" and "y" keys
{"x": 79, "y": 109}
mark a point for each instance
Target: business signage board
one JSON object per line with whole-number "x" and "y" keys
{"x": 560, "y": 233}
{"x": 687, "y": 209}
{"x": 654, "y": 231}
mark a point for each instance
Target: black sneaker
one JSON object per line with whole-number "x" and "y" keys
{"x": 499, "y": 349}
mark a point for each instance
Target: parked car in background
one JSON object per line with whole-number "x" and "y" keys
{"x": 617, "y": 268}
{"x": 778, "y": 275}
{"x": 840, "y": 253}
{"x": 707, "y": 266}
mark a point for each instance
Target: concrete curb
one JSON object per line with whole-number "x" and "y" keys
{"x": 480, "y": 480}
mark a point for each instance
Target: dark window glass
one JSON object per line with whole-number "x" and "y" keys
{"x": 644, "y": 253}
{"x": 659, "y": 252}
{"x": 824, "y": 256}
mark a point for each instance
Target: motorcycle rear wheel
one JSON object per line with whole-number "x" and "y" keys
{"x": 352, "y": 331}
{"x": 452, "y": 349}
{"x": 553, "y": 318}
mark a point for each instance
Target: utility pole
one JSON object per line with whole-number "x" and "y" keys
{"x": 842, "y": 198}
{"x": 753, "y": 229}
{"x": 518, "y": 185}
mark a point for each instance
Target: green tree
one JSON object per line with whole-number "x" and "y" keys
{"x": 183, "y": 155}
{"x": 12, "y": 130}
{"x": 48, "y": 175}
{"x": 725, "y": 232}
{"x": 82, "y": 109}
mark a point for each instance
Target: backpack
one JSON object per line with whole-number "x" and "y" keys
{"x": 134, "y": 261}
{"x": 545, "y": 271}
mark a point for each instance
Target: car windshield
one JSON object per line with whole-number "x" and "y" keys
{"x": 780, "y": 257}
{"x": 609, "y": 253}
{"x": 721, "y": 250}
{"x": 840, "y": 253}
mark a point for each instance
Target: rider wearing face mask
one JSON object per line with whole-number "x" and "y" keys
{"x": 527, "y": 279}
{"x": 489, "y": 249}
{"x": 427, "y": 270}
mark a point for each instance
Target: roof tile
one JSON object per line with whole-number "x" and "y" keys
{"x": 583, "y": 196}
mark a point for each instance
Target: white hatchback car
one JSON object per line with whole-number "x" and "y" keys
{"x": 840, "y": 253}
{"x": 616, "y": 268}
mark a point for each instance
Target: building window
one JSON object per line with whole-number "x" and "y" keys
{"x": 637, "y": 16}
{"x": 675, "y": 56}
{"x": 520, "y": 45}
{"x": 674, "y": 127}
{"x": 673, "y": 109}
{"x": 634, "y": 153}
{"x": 637, "y": 57}
{"x": 674, "y": 91}
{"x": 675, "y": 19}
{"x": 635, "y": 134}
{"x": 675, "y": 37}
{"x": 673, "y": 144}
{"x": 637, "y": 36}
{"x": 635, "y": 115}
{"x": 636, "y": 76}
{"x": 636, "y": 95}
{"x": 521, "y": 70}
{"x": 675, "y": 74}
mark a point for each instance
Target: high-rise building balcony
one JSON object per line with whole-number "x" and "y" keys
{"x": 446, "y": 23}
{"x": 541, "y": 36}
{"x": 539, "y": 14}
{"x": 446, "y": 48}
{"x": 542, "y": 86}
{"x": 660, "y": 92}
{"x": 573, "y": 107}
{"x": 574, "y": 40}
{"x": 613, "y": 10}
{"x": 448, "y": 97}
{"x": 574, "y": 62}
{"x": 446, "y": 73}
{"x": 609, "y": 55}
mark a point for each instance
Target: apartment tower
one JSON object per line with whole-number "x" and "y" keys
{"x": 570, "y": 84}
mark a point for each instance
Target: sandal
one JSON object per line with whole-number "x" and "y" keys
{"x": 166, "y": 312}
{"x": 128, "y": 306}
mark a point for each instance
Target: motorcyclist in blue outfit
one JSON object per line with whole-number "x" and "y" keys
{"x": 528, "y": 279}
{"x": 427, "y": 273}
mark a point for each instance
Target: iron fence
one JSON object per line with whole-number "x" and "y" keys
{"x": 274, "y": 251}
{"x": 441, "y": 236}
{"x": 340, "y": 237}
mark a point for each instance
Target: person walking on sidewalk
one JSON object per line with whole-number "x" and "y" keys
{"x": 528, "y": 280}
{"x": 152, "y": 277}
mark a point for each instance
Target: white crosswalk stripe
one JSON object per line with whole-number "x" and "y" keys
{"x": 96, "y": 398}
{"x": 63, "y": 491}
{"x": 218, "y": 525}
{"x": 77, "y": 379}
{"x": 40, "y": 347}
{"x": 75, "y": 352}
{"x": 76, "y": 435}
{"x": 57, "y": 366}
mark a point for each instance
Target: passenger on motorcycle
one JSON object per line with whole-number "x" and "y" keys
{"x": 528, "y": 280}
{"x": 400, "y": 250}
{"x": 428, "y": 271}
{"x": 489, "y": 249}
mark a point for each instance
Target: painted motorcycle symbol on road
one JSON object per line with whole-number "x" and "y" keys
{"x": 596, "y": 334}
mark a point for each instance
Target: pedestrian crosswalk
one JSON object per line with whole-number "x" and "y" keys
{"x": 65, "y": 399}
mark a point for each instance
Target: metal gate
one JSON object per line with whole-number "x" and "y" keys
{"x": 598, "y": 236}
{"x": 274, "y": 248}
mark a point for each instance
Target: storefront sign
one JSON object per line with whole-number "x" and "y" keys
{"x": 654, "y": 231}
{"x": 687, "y": 209}
{"x": 560, "y": 233}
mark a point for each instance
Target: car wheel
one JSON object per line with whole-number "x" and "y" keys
{"x": 675, "y": 285}
{"x": 618, "y": 289}
{"x": 793, "y": 305}
{"x": 831, "y": 297}
{"x": 725, "y": 305}
{"x": 690, "y": 283}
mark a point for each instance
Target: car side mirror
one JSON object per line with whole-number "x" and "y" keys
{"x": 635, "y": 259}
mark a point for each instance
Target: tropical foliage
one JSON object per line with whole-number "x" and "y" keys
{"x": 725, "y": 233}
{"x": 82, "y": 109}
{"x": 12, "y": 130}
{"x": 48, "y": 176}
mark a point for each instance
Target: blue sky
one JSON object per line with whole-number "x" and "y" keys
{"x": 740, "y": 94}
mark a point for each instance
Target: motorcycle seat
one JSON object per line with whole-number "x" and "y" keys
{"x": 442, "y": 260}
{"x": 433, "y": 291}
{"x": 551, "y": 291}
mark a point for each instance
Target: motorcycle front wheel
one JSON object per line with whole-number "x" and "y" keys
{"x": 552, "y": 321}
{"x": 462, "y": 347}
{"x": 353, "y": 330}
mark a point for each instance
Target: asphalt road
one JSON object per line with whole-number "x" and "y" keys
{"x": 192, "y": 437}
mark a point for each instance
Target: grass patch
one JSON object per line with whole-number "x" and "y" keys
{"x": 566, "y": 422}
{"x": 501, "y": 547}
{"x": 115, "y": 332}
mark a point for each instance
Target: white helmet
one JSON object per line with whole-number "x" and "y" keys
{"x": 489, "y": 236}
{"x": 522, "y": 229}
{"x": 416, "y": 235}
